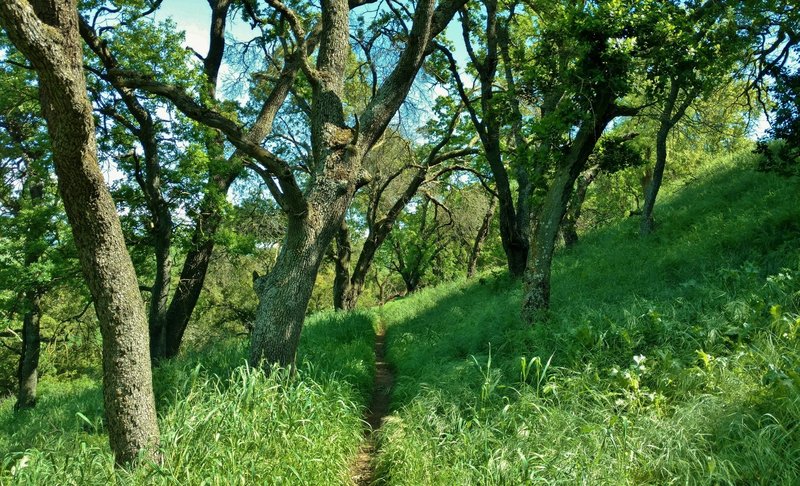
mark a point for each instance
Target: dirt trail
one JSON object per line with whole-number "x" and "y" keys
{"x": 363, "y": 470}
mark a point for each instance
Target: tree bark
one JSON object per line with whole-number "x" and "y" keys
{"x": 284, "y": 293}
{"x": 480, "y": 238}
{"x": 28, "y": 369}
{"x": 47, "y": 34}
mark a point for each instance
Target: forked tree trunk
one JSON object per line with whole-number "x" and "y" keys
{"x": 314, "y": 214}
{"x": 545, "y": 232}
{"x": 348, "y": 291}
{"x": 49, "y": 38}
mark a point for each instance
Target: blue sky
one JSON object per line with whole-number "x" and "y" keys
{"x": 194, "y": 17}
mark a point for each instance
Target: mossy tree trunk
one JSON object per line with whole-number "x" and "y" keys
{"x": 47, "y": 34}
{"x": 314, "y": 213}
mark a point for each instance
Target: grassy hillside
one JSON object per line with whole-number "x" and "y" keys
{"x": 672, "y": 359}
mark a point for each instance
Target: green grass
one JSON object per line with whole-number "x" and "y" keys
{"x": 672, "y": 359}
{"x": 221, "y": 422}
{"x": 675, "y": 359}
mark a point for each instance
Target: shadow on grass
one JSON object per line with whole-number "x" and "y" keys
{"x": 613, "y": 296}
{"x": 334, "y": 347}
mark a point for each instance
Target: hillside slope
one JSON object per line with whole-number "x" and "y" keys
{"x": 672, "y": 359}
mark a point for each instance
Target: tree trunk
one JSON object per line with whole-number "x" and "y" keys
{"x": 159, "y": 293}
{"x": 284, "y": 293}
{"x": 513, "y": 221}
{"x": 49, "y": 39}
{"x": 667, "y": 121}
{"x": 195, "y": 265}
{"x": 378, "y": 232}
{"x": 569, "y": 227}
{"x": 314, "y": 215}
{"x": 650, "y": 195}
{"x": 515, "y": 244}
{"x": 545, "y": 232}
{"x": 342, "y": 289}
{"x": 537, "y": 276}
{"x": 28, "y": 369}
{"x": 480, "y": 238}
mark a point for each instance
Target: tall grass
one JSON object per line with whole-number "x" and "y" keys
{"x": 221, "y": 421}
{"x": 668, "y": 360}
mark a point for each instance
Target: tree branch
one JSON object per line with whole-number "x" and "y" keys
{"x": 428, "y": 23}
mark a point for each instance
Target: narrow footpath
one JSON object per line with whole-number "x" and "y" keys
{"x": 363, "y": 471}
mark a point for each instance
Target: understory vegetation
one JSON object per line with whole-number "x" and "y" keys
{"x": 672, "y": 359}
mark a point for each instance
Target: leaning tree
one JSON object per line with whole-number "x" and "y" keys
{"x": 46, "y": 33}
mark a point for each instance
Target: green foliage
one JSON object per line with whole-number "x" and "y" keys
{"x": 221, "y": 422}
{"x": 613, "y": 154}
{"x": 664, "y": 361}
{"x": 783, "y": 154}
